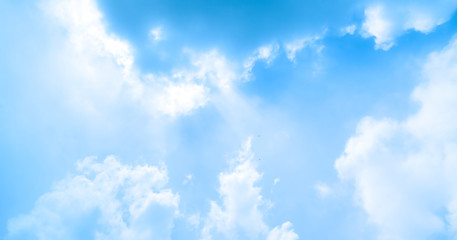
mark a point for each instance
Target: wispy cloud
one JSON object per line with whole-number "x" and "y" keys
{"x": 266, "y": 53}
{"x": 348, "y": 30}
{"x": 293, "y": 47}
{"x": 157, "y": 34}
{"x": 322, "y": 189}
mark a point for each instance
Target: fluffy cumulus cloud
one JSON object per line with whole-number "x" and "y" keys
{"x": 404, "y": 170}
{"x": 98, "y": 68}
{"x": 111, "y": 200}
{"x": 241, "y": 214}
{"x": 105, "y": 200}
{"x": 387, "y": 20}
{"x": 284, "y": 232}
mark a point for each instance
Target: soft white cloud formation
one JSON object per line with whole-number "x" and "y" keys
{"x": 87, "y": 32}
{"x": 98, "y": 67}
{"x": 276, "y": 181}
{"x": 194, "y": 220}
{"x": 267, "y": 53}
{"x": 188, "y": 179}
{"x": 187, "y": 89}
{"x": 404, "y": 171}
{"x": 387, "y": 20}
{"x": 107, "y": 200}
{"x": 297, "y": 45}
{"x": 285, "y": 232}
{"x": 97, "y": 72}
{"x": 211, "y": 68}
{"x": 240, "y": 215}
{"x": 322, "y": 189}
{"x": 241, "y": 200}
{"x": 156, "y": 34}
{"x": 348, "y": 29}
{"x": 378, "y": 25}
{"x": 182, "y": 98}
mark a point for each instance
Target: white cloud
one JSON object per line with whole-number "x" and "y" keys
{"x": 283, "y": 233}
{"x": 387, "y": 20}
{"x": 95, "y": 72}
{"x": 276, "y": 181}
{"x": 156, "y": 34}
{"x": 188, "y": 179}
{"x": 194, "y": 220}
{"x": 87, "y": 32}
{"x": 378, "y": 25}
{"x": 322, "y": 189}
{"x": 297, "y": 45}
{"x": 107, "y": 200}
{"x": 267, "y": 53}
{"x": 99, "y": 72}
{"x": 212, "y": 68}
{"x": 241, "y": 200}
{"x": 240, "y": 215}
{"x": 348, "y": 29}
{"x": 182, "y": 98}
{"x": 404, "y": 171}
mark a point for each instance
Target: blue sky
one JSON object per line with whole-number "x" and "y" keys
{"x": 202, "y": 119}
